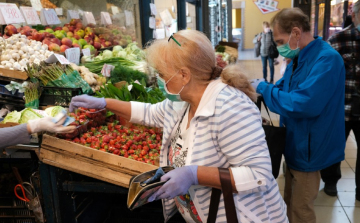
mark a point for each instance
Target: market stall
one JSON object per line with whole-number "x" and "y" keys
{"x": 51, "y": 51}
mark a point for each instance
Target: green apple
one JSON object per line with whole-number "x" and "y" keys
{"x": 49, "y": 31}
{"x": 82, "y": 42}
{"x": 91, "y": 47}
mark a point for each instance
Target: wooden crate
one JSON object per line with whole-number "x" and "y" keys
{"x": 16, "y": 74}
{"x": 90, "y": 162}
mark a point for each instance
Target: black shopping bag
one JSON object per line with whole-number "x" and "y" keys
{"x": 275, "y": 138}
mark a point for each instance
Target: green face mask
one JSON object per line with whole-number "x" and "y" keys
{"x": 286, "y": 51}
{"x": 162, "y": 86}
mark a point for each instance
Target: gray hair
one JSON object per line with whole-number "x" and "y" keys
{"x": 356, "y": 7}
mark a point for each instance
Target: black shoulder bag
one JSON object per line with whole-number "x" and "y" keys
{"x": 273, "y": 52}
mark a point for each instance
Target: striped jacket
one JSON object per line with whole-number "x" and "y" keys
{"x": 226, "y": 132}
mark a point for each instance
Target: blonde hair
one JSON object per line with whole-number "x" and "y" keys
{"x": 197, "y": 54}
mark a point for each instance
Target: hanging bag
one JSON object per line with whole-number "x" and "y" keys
{"x": 273, "y": 52}
{"x": 276, "y": 139}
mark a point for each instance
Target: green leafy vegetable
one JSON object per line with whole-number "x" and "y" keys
{"x": 122, "y": 73}
{"x": 12, "y": 117}
{"x": 53, "y": 111}
{"x": 28, "y": 114}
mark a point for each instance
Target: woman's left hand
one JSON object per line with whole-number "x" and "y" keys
{"x": 178, "y": 183}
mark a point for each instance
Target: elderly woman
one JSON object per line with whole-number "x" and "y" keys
{"x": 208, "y": 122}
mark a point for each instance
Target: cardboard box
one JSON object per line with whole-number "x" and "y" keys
{"x": 80, "y": 159}
{"x": 13, "y": 74}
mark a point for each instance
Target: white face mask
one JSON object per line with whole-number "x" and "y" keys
{"x": 267, "y": 30}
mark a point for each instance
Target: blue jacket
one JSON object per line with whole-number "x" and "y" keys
{"x": 312, "y": 107}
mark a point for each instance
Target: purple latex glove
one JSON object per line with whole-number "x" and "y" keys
{"x": 178, "y": 183}
{"x": 86, "y": 101}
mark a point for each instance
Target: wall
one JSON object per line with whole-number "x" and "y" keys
{"x": 236, "y": 17}
{"x": 254, "y": 18}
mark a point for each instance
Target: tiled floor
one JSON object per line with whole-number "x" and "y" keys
{"x": 341, "y": 209}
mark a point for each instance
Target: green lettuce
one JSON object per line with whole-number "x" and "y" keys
{"x": 28, "y": 114}
{"x": 12, "y": 117}
{"x": 53, "y": 111}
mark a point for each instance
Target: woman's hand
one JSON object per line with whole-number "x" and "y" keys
{"x": 178, "y": 183}
{"x": 87, "y": 101}
{"x": 47, "y": 124}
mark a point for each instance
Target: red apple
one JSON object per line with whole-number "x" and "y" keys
{"x": 73, "y": 22}
{"x": 69, "y": 34}
{"x": 79, "y": 25}
{"x": 56, "y": 41}
{"x": 72, "y": 29}
{"x": 97, "y": 45}
{"x": 66, "y": 29}
{"x": 76, "y": 45}
{"x": 26, "y": 32}
{"x": 49, "y": 35}
{"x": 58, "y": 28}
{"x": 67, "y": 42}
{"x": 63, "y": 48}
{"x": 67, "y": 25}
{"x": 115, "y": 43}
{"x": 108, "y": 43}
{"x": 10, "y": 30}
{"x": 46, "y": 41}
{"x": 76, "y": 36}
{"x": 54, "y": 47}
{"x": 38, "y": 36}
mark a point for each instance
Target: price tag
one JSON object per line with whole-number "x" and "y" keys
{"x": 72, "y": 14}
{"x": 106, "y": 70}
{"x": 105, "y": 18}
{"x": 86, "y": 52}
{"x": 129, "y": 19}
{"x": 115, "y": 10}
{"x": 30, "y": 15}
{"x": 11, "y": 14}
{"x": 49, "y": 17}
{"x": 59, "y": 11}
{"x": 36, "y": 4}
{"x": 152, "y": 23}
{"x": 153, "y": 9}
{"x": 57, "y": 57}
{"x": 73, "y": 55}
{"x": 88, "y": 18}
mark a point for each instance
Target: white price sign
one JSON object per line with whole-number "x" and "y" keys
{"x": 49, "y": 17}
{"x": 105, "y": 18}
{"x": 36, "y": 4}
{"x": 115, "y": 10}
{"x": 129, "y": 18}
{"x": 73, "y": 55}
{"x": 57, "y": 57}
{"x": 59, "y": 11}
{"x": 153, "y": 9}
{"x": 30, "y": 15}
{"x": 88, "y": 18}
{"x": 152, "y": 23}
{"x": 11, "y": 14}
{"x": 86, "y": 52}
{"x": 72, "y": 14}
{"x": 106, "y": 70}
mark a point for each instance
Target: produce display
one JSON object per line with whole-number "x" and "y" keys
{"x": 17, "y": 51}
{"x": 97, "y": 65}
{"x": 132, "y": 53}
{"x": 95, "y": 81}
{"x": 133, "y": 92}
{"x": 22, "y": 117}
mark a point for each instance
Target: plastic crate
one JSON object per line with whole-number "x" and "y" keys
{"x": 5, "y": 92}
{"x": 58, "y": 96}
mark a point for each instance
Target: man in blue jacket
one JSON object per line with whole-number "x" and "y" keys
{"x": 310, "y": 101}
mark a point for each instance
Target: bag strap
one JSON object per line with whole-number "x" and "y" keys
{"x": 266, "y": 108}
{"x": 226, "y": 186}
{"x": 214, "y": 205}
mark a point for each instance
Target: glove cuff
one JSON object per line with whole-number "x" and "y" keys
{"x": 34, "y": 126}
{"x": 193, "y": 170}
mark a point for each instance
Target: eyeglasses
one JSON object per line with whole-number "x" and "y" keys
{"x": 172, "y": 37}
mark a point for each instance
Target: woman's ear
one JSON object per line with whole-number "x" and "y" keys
{"x": 185, "y": 75}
